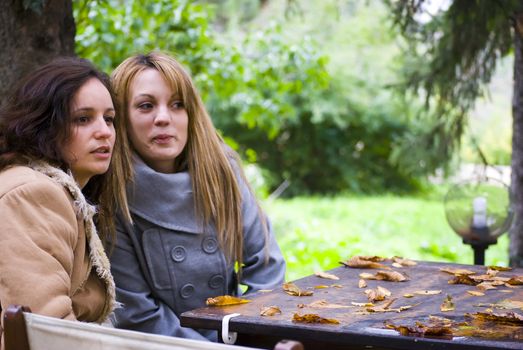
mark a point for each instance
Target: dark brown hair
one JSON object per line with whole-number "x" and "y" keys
{"x": 35, "y": 123}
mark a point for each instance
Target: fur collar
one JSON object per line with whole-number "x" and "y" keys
{"x": 86, "y": 212}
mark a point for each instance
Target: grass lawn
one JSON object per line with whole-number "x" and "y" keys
{"x": 316, "y": 233}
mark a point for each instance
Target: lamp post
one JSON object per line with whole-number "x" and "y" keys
{"x": 479, "y": 211}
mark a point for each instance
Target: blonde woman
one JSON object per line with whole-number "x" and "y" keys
{"x": 61, "y": 159}
{"x": 194, "y": 215}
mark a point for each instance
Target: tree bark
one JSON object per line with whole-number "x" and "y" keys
{"x": 29, "y": 38}
{"x": 516, "y": 232}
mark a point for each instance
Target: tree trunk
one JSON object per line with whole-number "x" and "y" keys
{"x": 30, "y": 37}
{"x": 516, "y": 232}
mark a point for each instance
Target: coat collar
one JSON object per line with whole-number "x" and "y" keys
{"x": 85, "y": 211}
{"x": 165, "y": 200}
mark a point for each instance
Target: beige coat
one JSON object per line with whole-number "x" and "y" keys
{"x": 51, "y": 258}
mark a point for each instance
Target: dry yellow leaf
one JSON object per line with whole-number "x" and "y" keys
{"x": 403, "y": 262}
{"x": 367, "y": 276}
{"x": 365, "y": 262}
{"x": 377, "y": 294}
{"x": 515, "y": 281}
{"x": 499, "y": 268}
{"x": 362, "y": 304}
{"x": 456, "y": 272}
{"x": 321, "y": 286}
{"x": 323, "y": 304}
{"x": 475, "y": 293}
{"x": 292, "y": 289}
{"x": 427, "y": 292}
{"x": 326, "y": 275}
{"x": 393, "y": 276}
{"x": 336, "y": 286}
{"x": 225, "y": 300}
{"x": 397, "y": 265}
{"x": 362, "y": 283}
{"x": 408, "y": 295}
{"x": 313, "y": 318}
{"x": 270, "y": 311}
{"x": 447, "y": 305}
{"x": 485, "y": 286}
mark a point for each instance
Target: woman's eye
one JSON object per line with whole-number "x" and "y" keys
{"x": 109, "y": 119}
{"x": 82, "y": 119}
{"x": 178, "y": 105}
{"x": 145, "y": 106}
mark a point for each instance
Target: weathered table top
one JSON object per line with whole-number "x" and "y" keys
{"x": 367, "y": 330}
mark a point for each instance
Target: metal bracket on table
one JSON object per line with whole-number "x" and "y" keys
{"x": 228, "y": 337}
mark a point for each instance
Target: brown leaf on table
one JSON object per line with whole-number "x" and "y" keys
{"x": 313, "y": 318}
{"x": 510, "y": 304}
{"x": 463, "y": 279}
{"x": 397, "y": 265}
{"x": 365, "y": 262}
{"x": 427, "y": 292}
{"x": 225, "y": 300}
{"x": 323, "y": 304}
{"x": 362, "y": 304}
{"x": 485, "y": 286}
{"x": 403, "y": 262}
{"x": 377, "y": 294}
{"x": 432, "y": 328}
{"x": 506, "y": 318}
{"x": 292, "y": 289}
{"x": 362, "y": 283}
{"x": 448, "y": 304}
{"x": 367, "y": 276}
{"x": 326, "y": 275}
{"x": 475, "y": 293}
{"x": 499, "y": 268}
{"x": 408, "y": 295}
{"x": 456, "y": 272}
{"x": 392, "y": 276}
{"x": 380, "y": 308}
{"x": 489, "y": 278}
{"x": 336, "y": 286}
{"x": 515, "y": 281}
{"x": 270, "y": 311}
{"x": 321, "y": 286}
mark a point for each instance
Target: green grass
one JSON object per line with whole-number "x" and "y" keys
{"x": 316, "y": 233}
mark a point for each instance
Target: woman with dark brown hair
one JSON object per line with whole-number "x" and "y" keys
{"x": 63, "y": 165}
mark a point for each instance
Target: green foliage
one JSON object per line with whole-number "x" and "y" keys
{"x": 316, "y": 233}
{"x": 450, "y": 55}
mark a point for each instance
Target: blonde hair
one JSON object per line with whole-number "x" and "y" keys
{"x": 216, "y": 189}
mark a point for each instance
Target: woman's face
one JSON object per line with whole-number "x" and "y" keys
{"x": 89, "y": 149}
{"x": 158, "y": 121}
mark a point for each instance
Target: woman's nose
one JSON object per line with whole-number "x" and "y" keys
{"x": 103, "y": 129}
{"x": 163, "y": 116}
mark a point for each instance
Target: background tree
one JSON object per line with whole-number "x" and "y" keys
{"x": 452, "y": 55}
{"x": 32, "y": 32}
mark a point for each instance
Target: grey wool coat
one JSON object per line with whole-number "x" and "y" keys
{"x": 165, "y": 263}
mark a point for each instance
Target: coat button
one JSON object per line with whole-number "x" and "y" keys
{"x": 178, "y": 253}
{"x": 187, "y": 291}
{"x": 209, "y": 245}
{"x": 216, "y": 281}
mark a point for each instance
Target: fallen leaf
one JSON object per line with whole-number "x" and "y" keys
{"x": 362, "y": 283}
{"x": 393, "y": 276}
{"x": 507, "y": 317}
{"x": 367, "y": 276}
{"x": 456, "y": 272}
{"x": 292, "y": 289}
{"x": 475, "y": 293}
{"x": 362, "y": 304}
{"x": 408, "y": 295}
{"x": 515, "y": 281}
{"x": 505, "y": 291}
{"x": 225, "y": 300}
{"x": 270, "y": 311}
{"x": 313, "y": 318}
{"x": 427, "y": 292}
{"x": 397, "y": 265}
{"x": 485, "y": 286}
{"x": 323, "y": 304}
{"x": 377, "y": 294}
{"x": 336, "y": 286}
{"x": 463, "y": 279}
{"x": 321, "y": 286}
{"x": 448, "y": 304}
{"x": 326, "y": 275}
{"x": 499, "y": 268}
{"x": 403, "y": 262}
{"x": 365, "y": 262}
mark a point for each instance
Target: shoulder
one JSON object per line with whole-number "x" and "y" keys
{"x": 22, "y": 180}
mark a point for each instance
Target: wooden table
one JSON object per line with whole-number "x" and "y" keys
{"x": 363, "y": 331}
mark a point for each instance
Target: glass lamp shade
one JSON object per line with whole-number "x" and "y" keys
{"x": 479, "y": 210}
